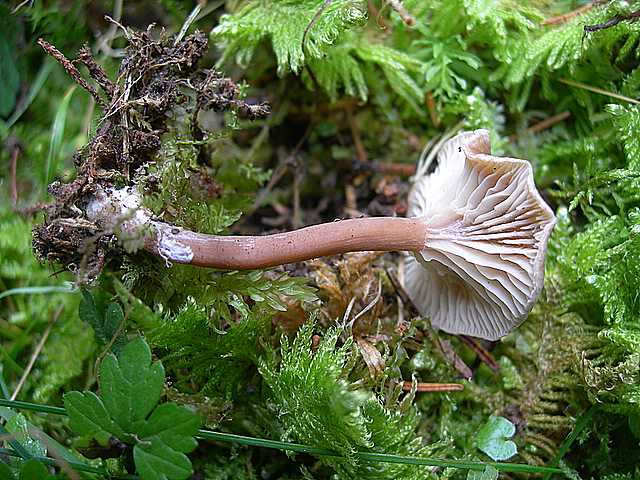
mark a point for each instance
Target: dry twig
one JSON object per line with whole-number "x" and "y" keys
{"x": 544, "y": 124}
{"x": 433, "y": 387}
{"x": 400, "y": 9}
{"x": 560, "y": 19}
{"x": 71, "y": 70}
{"x": 483, "y": 353}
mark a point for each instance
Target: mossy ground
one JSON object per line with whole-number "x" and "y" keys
{"x": 317, "y": 353}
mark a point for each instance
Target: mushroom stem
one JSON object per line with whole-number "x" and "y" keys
{"x": 253, "y": 252}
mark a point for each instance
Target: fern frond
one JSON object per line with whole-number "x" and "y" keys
{"x": 284, "y": 23}
{"x": 627, "y": 122}
{"x": 566, "y": 45}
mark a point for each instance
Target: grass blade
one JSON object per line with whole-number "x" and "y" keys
{"x": 580, "y": 425}
{"x": 297, "y": 447}
{"x": 57, "y": 133}
{"x": 37, "y": 290}
{"x": 35, "y": 88}
{"x": 81, "y": 467}
{"x": 15, "y": 444}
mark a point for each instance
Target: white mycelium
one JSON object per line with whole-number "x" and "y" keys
{"x": 482, "y": 267}
{"x": 123, "y": 208}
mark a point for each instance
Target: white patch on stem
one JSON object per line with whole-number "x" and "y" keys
{"x": 123, "y": 208}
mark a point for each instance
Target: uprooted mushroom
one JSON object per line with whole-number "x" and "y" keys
{"x": 478, "y": 228}
{"x": 478, "y": 232}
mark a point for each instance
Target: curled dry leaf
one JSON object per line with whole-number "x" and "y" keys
{"x": 372, "y": 357}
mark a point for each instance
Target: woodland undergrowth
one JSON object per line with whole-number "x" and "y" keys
{"x": 257, "y": 116}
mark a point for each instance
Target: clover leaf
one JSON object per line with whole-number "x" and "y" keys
{"x": 493, "y": 437}
{"x": 127, "y": 408}
{"x": 489, "y": 473}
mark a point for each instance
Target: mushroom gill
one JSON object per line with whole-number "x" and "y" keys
{"x": 482, "y": 267}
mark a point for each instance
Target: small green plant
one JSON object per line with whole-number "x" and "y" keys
{"x": 127, "y": 410}
{"x": 493, "y": 438}
{"x": 317, "y": 359}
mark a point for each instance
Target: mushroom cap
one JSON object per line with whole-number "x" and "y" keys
{"x": 482, "y": 268}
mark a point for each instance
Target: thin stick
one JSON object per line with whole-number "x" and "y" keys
{"x": 71, "y": 70}
{"x": 560, "y": 19}
{"x": 361, "y": 153}
{"x": 601, "y": 91}
{"x": 433, "y": 387}
{"x": 432, "y": 108}
{"x": 36, "y": 352}
{"x": 549, "y": 122}
{"x": 313, "y": 21}
{"x": 404, "y": 169}
{"x": 20, "y": 5}
{"x": 296, "y": 218}
{"x": 190, "y": 19}
{"x": 96, "y": 71}
{"x": 14, "y": 172}
{"x": 104, "y": 43}
{"x": 400, "y": 9}
{"x": 375, "y": 13}
{"x": 544, "y": 124}
{"x": 483, "y": 354}
{"x": 613, "y": 22}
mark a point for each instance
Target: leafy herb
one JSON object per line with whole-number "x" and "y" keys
{"x": 127, "y": 408}
{"x": 493, "y": 438}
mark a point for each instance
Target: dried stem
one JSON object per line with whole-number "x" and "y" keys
{"x": 96, "y": 71}
{"x": 433, "y": 387}
{"x": 361, "y": 153}
{"x": 483, "y": 354}
{"x": 432, "y": 108}
{"x": 544, "y": 124}
{"x": 71, "y": 70}
{"x": 560, "y": 19}
{"x": 375, "y": 13}
{"x": 613, "y": 22}
{"x": 601, "y": 91}
{"x": 400, "y": 9}
{"x": 15, "y": 152}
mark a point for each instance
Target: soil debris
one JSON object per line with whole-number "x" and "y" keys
{"x": 159, "y": 91}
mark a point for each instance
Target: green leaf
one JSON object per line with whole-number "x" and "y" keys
{"x": 19, "y": 428}
{"x": 173, "y": 425}
{"x": 105, "y": 323}
{"x": 318, "y": 23}
{"x": 57, "y": 133}
{"x": 634, "y": 425}
{"x": 489, "y": 473}
{"x": 6, "y": 472}
{"x": 493, "y": 437}
{"x": 89, "y": 416}
{"x": 130, "y": 386}
{"x": 54, "y": 448}
{"x": 33, "y": 470}
{"x": 165, "y": 437}
{"x": 88, "y": 312}
{"x": 157, "y": 461}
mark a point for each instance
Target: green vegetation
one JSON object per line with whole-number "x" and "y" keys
{"x": 313, "y": 370}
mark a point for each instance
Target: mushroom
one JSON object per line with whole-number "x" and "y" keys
{"x": 482, "y": 266}
{"x": 478, "y": 234}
